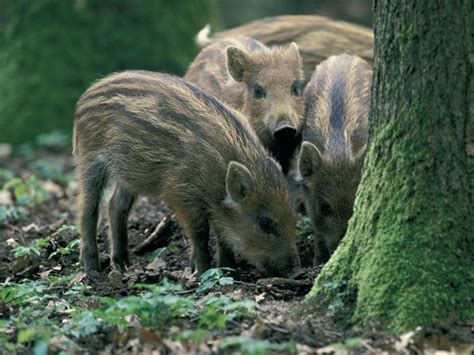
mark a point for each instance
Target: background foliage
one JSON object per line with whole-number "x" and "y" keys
{"x": 52, "y": 50}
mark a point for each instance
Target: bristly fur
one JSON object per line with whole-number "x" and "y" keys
{"x": 275, "y": 69}
{"x": 156, "y": 134}
{"x": 318, "y": 37}
{"x": 335, "y": 137}
{"x": 337, "y": 102}
{"x": 141, "y": 94}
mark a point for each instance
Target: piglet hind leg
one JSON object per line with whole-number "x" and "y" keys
{"x": 119, "y": 208}
{"x": 92, "y": 179}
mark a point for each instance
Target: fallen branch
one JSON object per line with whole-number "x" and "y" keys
{"x": 284, "y": 283}
{"x": 159, "y": 238}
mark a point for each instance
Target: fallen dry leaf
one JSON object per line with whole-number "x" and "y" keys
{"x": 78, "y": 278}
{"x": 260, "y": 328}
{"x": 333, "y": 350}
{"x": 175, "y": 347}
{"x": 5, "y": 198}
{"x": 156, "y": 265}
{"x": 12, "y": 243}
{"x": 133, "y": 274}
{"x": 305, "y": 349}
{"x": 150, "y": 336}
{"x": 52, "y": 188}
{"x": 186, "y": 274}
{"x": 31, "y": 227}
{"x": 123, "y": 338}
{"x": 45, "y": 274}
{"x": 463, "y": 348}
{"x": 405, "y": 340}
{"x": 260, "y": 297}
{"x": 21, "y": 264}
{"x": 438, "y": 344}
{"x": 58, "y": 343}
{"x": 173, "y": 330}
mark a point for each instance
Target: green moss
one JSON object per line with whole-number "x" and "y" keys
{"x": 51, "y": 51}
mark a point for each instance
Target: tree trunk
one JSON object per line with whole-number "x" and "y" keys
{"x": 407, "y": 258}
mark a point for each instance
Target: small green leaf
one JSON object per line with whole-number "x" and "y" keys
{"x": 26, "y": 335}
{"x": 67, "y": 228}
{"x": 226, "y": 280}
{"x": 12, "y": 183}
{"x": 353, "y": 342}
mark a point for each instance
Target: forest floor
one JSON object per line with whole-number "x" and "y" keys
{"x": 158, "y": 305}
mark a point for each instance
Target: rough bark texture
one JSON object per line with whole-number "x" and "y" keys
{"x": 407, "y": 258}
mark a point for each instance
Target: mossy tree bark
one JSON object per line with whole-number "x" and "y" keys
{"x": 407, "y": 258}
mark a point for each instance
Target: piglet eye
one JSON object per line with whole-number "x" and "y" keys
{"x": 296, "y": 88}
{"x": 325, "y": 208}
{"x": 267, "y": 225}
{"x": 258, "y": 92}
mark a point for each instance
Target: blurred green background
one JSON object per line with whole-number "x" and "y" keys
{"x": 52, "y": 50}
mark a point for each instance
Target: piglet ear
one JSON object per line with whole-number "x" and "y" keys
{"x": 295, "y": 52}
{"x": 238, "y": 181}
{"x": 237, "y": 62}
{"x": 309, "y": 160}
{"x": 273, "y": 162}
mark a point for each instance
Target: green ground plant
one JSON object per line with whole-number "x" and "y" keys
{"x": 71, "y": 313}
{"x": 26, "y": 192}
{"x": 250, "y": 346}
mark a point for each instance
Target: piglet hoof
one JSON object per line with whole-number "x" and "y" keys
{"x": 91, "y": 267}
{"x": 120, "y": 263}
{"x": 92, "y": 274}
{"x": 90, "y": 264}
{"x": 93, "y": 278}
{"x": 200, "y": 265}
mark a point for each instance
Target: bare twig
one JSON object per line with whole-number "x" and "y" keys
{"x": 184, "y": 292}
{"x": 237, "y": 282}
{"x": 157, "y": 239}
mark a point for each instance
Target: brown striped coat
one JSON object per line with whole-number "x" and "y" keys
{"x": 317, "y": 37}
{"x": 154, "y": 134}
{"x": 334, "y": 143}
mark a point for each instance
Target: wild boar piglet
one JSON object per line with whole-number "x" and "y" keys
{"x": 153, "y": 134}
{"x": 318, "y": 37}
{"x": 264, "y": 83}
{"x": 334, "y": 143}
